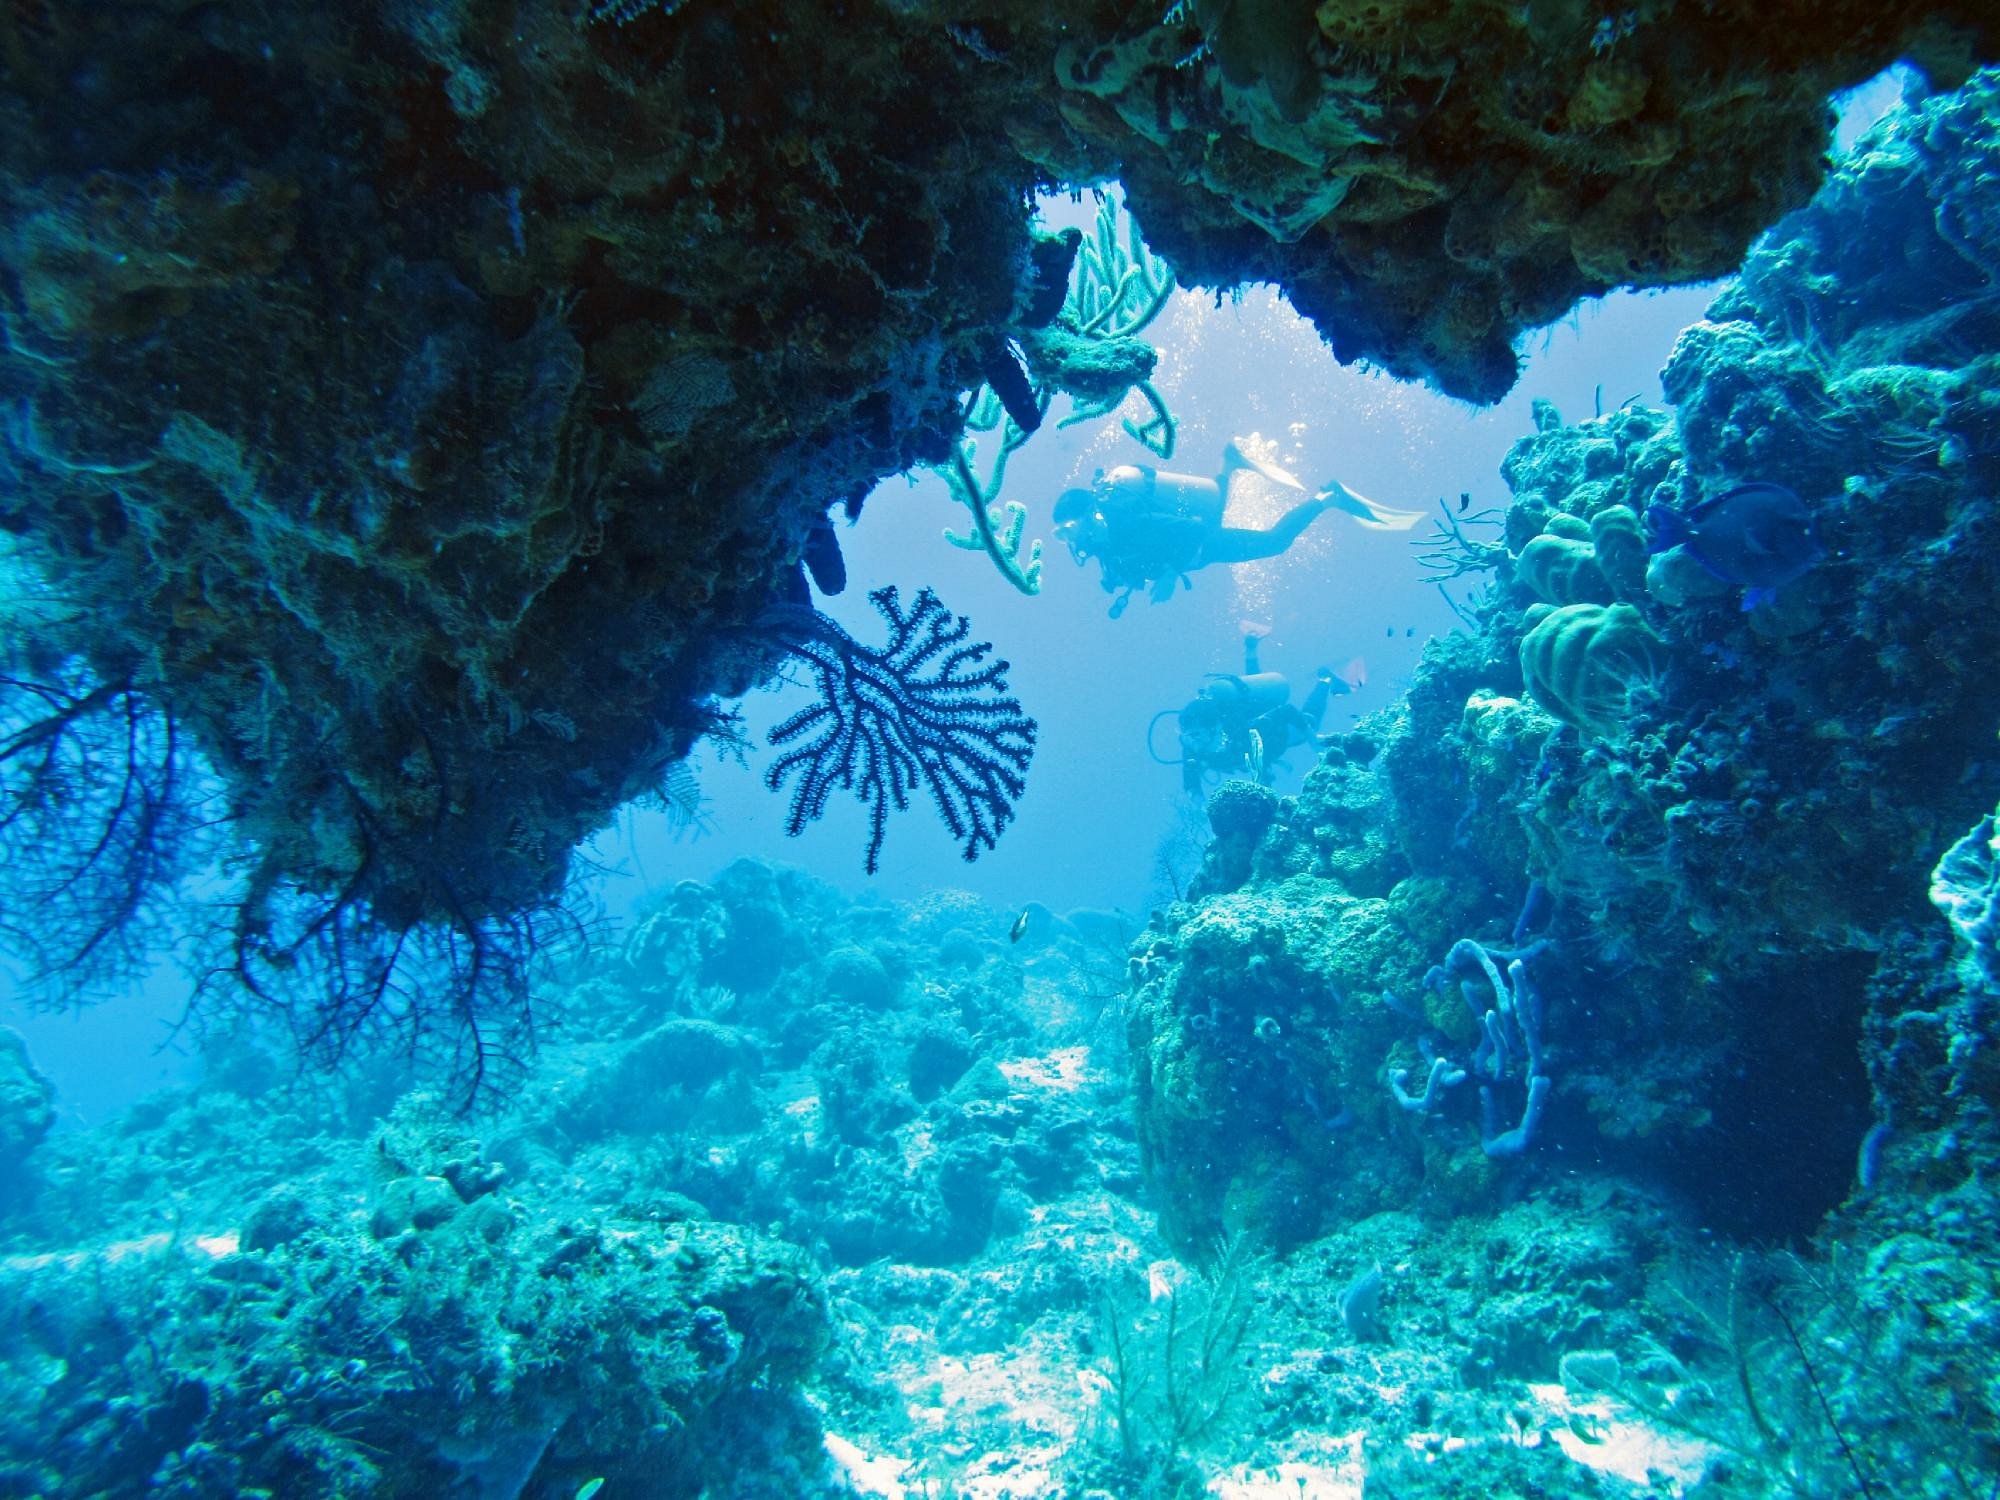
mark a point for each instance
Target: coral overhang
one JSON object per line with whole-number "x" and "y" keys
{"x": 417, "y": 401}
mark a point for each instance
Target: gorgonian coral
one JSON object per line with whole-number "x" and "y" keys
{"x": 920, "y": 711}
{"x": 101, "y": 817}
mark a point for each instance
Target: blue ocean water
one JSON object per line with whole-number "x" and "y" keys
{"x": 1090, "y": 829}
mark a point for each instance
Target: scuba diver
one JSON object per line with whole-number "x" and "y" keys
{"x": 1149, "y": 529}
{"x": 1243, "y": 725}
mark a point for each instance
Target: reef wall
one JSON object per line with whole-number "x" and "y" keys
{"x": 1723, "y": 820}
{"x": 415, "y": 404}
{"x": 1640, "y": 879}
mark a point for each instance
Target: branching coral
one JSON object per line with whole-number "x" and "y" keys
{"x": 997, "y": 529}
{"x": 1120, "y": 289}
{"x": 466, "y": 996}
{"x": 100, "y": 819}
{"x": 920, "y": 711}
{"x": 1450, "y": 552}
{"x": 105, "y": 813}
{"x": 1087, "y": 347}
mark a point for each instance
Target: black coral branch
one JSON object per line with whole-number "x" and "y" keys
{"x": 926, "y": 710}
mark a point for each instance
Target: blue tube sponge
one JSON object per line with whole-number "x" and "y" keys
{"x": 1514, "y": 1142}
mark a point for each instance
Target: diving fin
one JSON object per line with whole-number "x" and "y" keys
{"x": 1234, "y": 458}
{"x": 1337, "y": 496}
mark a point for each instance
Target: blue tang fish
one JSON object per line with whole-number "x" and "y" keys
{"x": 1759, "y": 535}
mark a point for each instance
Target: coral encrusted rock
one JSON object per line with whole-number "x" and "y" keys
{"x": 414, "y": 405}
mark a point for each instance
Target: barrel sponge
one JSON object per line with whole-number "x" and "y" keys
{"x": 1582, "y": 662}
{"x": 1241, "y": 810}
{"x": 1620, "y": 545}
{"x": 1562, "y": 570}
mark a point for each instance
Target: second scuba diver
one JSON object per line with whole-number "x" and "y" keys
{"x": 1148, "y": 529}
{"x": 1243, "y": 725}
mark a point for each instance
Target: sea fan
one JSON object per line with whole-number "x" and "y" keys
{"x": 103, "y": 813}
{"x": 921, "y": 710}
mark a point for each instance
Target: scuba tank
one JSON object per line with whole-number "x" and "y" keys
{"x": 1245, "y": 698}
{"x": 1188, "y": 494}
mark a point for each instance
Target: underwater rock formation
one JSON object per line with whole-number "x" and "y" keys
{"x": 1744, "y": 997}
{"x": 1424, "y": 179}
{"x": 383, "y": 1319}
{"x": 1738, "y": 853}
{"x": 409, "y": 406}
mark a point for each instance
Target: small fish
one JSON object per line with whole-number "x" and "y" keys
{"x": 1411, "y": 632}
{"x": 1759, "y": 535}
{"x": 1464, "y": 501}
{"x": 1390, "y": 631}
{"x": 1020, "y": 926}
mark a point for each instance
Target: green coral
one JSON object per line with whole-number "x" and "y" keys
{"x": 997, "y": 529}
{"x": 1562, "y": 570}
{"x": 1093, "y": 350}
{"x": 1583, "y": 663}
{"x": 1090, "y": 351}
{"x": 1618, "y": 543}
{"x": 1578, "y": 561}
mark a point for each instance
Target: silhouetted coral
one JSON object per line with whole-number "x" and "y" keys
{"x": 101, "y": 818}
{"x": 919, "y": 711}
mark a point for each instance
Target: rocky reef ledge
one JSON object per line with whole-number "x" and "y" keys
{"x": 409, "y": 409}
{"x": 1641, "y": 883}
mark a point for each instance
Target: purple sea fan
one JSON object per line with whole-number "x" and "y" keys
{"x": 920, "y": 710}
